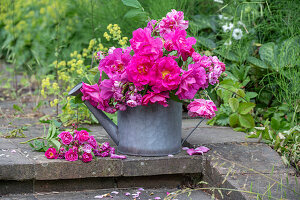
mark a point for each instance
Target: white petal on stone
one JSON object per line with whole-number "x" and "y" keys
{"x": 185, "y": 148}
{"x": 7, "y": 156}
{"x": 98, "y": 197}
{"x": 170, "y": 155}
{"x": 27, "y": 155}
{"x": 114, "y": 192}
{"x": 4, "y": 149}
{"x": 157, "y": 198}
{"x": 13, "y": 151}
{"x": 2, "y": 155}
{"x": 127, "y": 194}
{"x": 141, "y": 189}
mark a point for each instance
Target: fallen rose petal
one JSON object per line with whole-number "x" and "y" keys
{"x": 114, "y": 156}
{"x": 194, "y": 152}
{"x": 13, "y": 151}
{"x": 185, "y": 148}
{"x": 7, "y": 156}
{"x": 202, "y": 149}
{"x": 171, "y": 155}
{"x": 157, "y": 198}
{"x": 98, "y": 197}
{"x": 114, "y": 192}
{"x": 127, "y": 194}
{"x": 141, "y": 189}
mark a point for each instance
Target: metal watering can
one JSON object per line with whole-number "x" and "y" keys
{"x": 151, "y": 130}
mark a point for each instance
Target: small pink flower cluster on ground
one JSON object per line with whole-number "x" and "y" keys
{"x": 154, "y": 68}
{"x": 80, "y": 145}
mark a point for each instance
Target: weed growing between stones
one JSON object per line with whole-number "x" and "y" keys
{"x": 230, "y": 187}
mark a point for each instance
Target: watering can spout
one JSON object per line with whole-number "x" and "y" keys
{"x": 110, "y": 127}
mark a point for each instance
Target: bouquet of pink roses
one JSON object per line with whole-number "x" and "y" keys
{"x": 159, "y": 64}
{"x": 77, "y": 145}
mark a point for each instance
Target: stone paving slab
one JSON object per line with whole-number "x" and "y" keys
{"x": 144, "y": 195}
{"x": 249, "y": 166}
{"x": 223, "y": 166}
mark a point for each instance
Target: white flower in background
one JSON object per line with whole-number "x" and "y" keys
{"x": 228, "y": 43}
{"x": 227, "y": 27}
{"x": 237, "y": 33}
{"x": 220, "y": 16}
{"x": 219, "y": 1}
{"x": 111, "y": 50}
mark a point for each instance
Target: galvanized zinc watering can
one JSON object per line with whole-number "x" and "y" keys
{"x": 151, "y": 130}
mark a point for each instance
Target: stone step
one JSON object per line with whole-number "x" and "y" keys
{"x": 116, "y": 194}
{"x": 234, "y": 163}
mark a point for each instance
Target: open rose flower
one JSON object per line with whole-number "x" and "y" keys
{"x": 179, "y": 42}
{"x": 51, "y": 153}
{"x": 143, "y": 44}
{"x": 66, "y": 137}
{"x": 87, "y": 157}
{"x": 191, "y": 81}
{"x": 167, "y": 75}
{"x": 173, "y": 20}
{"x": 115, "y": 62}
{"x": 202, "y": 108}
{"x": 152, "y": 97}
{"x": 71, "y": 155}
{"x": 82, "y": 136}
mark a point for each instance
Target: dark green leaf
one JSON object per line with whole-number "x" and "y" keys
{"x": 208, "y": 43}
{"x": 246, "y": 121}
{"x": 78, "y": 99}
{"x": 275, "y": 123}
{"x": 86, "y": 129}
{"x": 234, "y": 120}
{"x": 257, "y": 62}
{"x": 132, "y": 3}
{"x": 104, "y": 76}
{"x": 234, "y": 104}
{"x": 245, "y": 108}
{"x": 97, "y": 77}
{"x": 135, "y": 13}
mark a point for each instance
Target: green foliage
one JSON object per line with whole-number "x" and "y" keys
{"x": 48, "y": 139}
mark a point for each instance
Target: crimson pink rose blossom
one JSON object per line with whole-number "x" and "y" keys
{"x": 51, "y": 153}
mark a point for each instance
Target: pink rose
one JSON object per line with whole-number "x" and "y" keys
{"x": 66, "y": 137}
{"x": 115, "y": 62}
{"x": 87, "y": 157}
{"x": 152, "y": 97}
{"x": 87, "y": 148}
{"x": 92, "y": 141}
{"x": 144, "y": 45}
{"x": 183, "y": 45}
{"x": 203, "y": 108}
{"x": 51, "y": 153}
{"x": 71, "y": 155}
{"x": 191, "y": 81}
{"x": 167, "y": 75}
{"x": 82, "y": 136}
{"x": 140, "y": 70}
{"x": 151, "y": 24}
{"x": 91, "y": 93}
{"x": 173, "y": 20}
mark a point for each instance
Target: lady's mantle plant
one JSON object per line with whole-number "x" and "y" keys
{"x": 159, "y": 64}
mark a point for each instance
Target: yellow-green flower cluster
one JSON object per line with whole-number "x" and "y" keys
{"x": 115, "y": 34}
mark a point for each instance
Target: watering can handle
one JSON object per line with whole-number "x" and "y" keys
{"x": 192, "y": 131}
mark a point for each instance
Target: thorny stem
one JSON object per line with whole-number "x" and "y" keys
{"x": 43, "y": 138}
